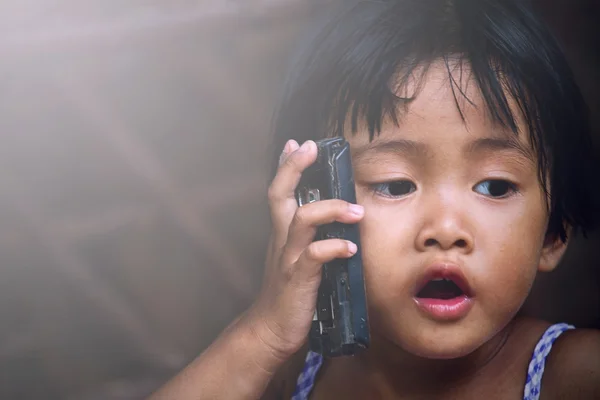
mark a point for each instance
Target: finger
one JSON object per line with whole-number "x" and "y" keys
{"x": 307, "y": 218}
{"x": 308, "y": 267}
{"x": 290, "y": 146}
{"x": 282, "y": 199}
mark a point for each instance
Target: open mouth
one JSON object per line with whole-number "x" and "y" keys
{"x": 440, "y": 288}
{"x": 443, "y": 293}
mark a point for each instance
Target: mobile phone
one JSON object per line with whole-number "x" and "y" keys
{"x": 340, "y": 325}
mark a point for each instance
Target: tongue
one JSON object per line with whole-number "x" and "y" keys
{"x": 442, "y": 289}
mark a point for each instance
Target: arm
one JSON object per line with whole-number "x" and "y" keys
{"x": 244, "y": 359}
{"x": 236, "y": 366}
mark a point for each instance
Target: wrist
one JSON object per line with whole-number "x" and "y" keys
{"x": 238, "y": 365}
{"x": 248, "y": 364}
{"x": 270, "y": 355}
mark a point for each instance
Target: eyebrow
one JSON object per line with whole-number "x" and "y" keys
{"x": 410, "y": 148}
{"x": 401, "y": 147}
{"x": 499, "y": 144}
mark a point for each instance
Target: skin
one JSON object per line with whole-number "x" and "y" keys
{"x": 447, "y": 213}
{"x": 450, "y": 217}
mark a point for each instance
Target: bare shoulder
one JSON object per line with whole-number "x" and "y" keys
{"x": 283, "y": 384}
{"x": 573, "y": 366}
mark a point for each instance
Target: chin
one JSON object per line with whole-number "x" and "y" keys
{"x": 437, "y": 348}
{"x": 442, "y": 352}
{"x": 441, "y": 342}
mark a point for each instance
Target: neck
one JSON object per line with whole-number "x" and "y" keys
{"x": 391, "y": 369}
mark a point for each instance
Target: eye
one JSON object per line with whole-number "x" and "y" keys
{"x": 496, "y": 188}
{"x": 395, "y": 189}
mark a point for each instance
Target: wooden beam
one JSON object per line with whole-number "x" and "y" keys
{"x": 79, "y": 273}
{"x": 147, "y": 166}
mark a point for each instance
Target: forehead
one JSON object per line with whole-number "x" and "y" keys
{"x": 447, "y": 109}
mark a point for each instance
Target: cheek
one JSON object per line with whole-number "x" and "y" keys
{"x": 386, "y": 246}
{"x": 377, "y": 247}
{"x": 511, "y": 256}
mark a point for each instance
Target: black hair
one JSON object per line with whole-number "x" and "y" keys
{"x": 351, "y": 65}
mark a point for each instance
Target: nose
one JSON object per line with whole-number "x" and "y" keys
{"x": 445, "y": 227}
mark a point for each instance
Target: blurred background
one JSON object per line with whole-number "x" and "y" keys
{"x": 133, "y": 149}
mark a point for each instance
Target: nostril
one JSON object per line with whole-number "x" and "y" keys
{"x": 461, "y": 243}
{"x": 430, "y": 242}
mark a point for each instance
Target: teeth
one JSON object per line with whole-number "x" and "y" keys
{"x": 439, "y": 280}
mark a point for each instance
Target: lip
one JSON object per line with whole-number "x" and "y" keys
{"x": 445, "y": 309}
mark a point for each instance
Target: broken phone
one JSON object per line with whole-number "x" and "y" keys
{"x": 340, "y": 325}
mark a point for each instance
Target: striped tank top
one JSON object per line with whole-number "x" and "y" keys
{"x": 533, "y": 383}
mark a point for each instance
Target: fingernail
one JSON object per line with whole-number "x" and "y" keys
{"x": 293, "y": 146}
{"x": 356, "y": 209}
{"x": 352, "y": 248}
{"x": 304, "y": 148}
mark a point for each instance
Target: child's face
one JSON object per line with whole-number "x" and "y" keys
{"x": 456, "y": 216}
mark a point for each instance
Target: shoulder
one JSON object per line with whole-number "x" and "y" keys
{"x": 573, "y": 366}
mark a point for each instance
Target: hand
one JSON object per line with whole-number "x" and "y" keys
{"x": 281, "y": 317}
{"x": 243, "y": 360}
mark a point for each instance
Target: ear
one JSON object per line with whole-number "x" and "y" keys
{"x": 552, "y": 252}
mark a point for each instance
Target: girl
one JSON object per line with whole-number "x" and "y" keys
{"x": 470, "y": 149}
